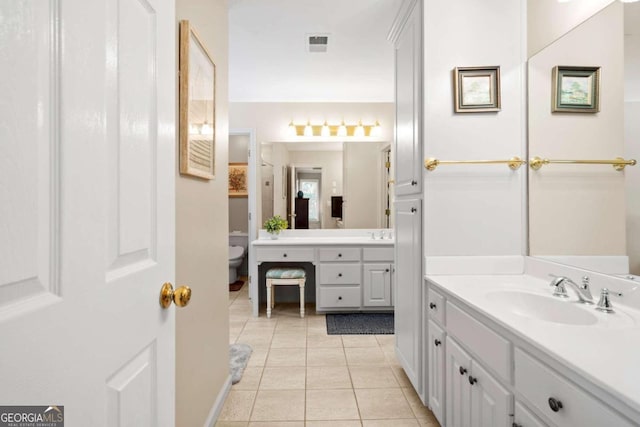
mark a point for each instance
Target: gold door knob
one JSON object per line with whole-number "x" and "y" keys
{"x": 180, "y": 296}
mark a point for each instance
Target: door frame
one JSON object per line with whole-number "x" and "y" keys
{"x": 252, "y": 197}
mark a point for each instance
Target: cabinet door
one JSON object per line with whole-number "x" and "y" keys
{"x": 524, "y": 418}
{"x": 408, "y": 64}
{"x": 436, "y": 364}
{"x": 458, "y": 397}
{"x": 491, "y": 404}
{"x": 408, "y": 290}
{"x": 377, "y": 285}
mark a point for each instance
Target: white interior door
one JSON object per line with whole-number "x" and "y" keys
{"x": 87, "y": 161}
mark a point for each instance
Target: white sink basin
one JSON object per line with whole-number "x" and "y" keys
{"x": 542, "y": 307}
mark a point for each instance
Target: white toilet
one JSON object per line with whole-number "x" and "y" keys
{"x": 236, "y": 255}
{"x": 238, "y": 246}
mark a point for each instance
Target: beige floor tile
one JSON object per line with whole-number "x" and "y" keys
{"x": 418, "y": 408}
{"x": 326, "y": 357}
{"x": 232, "y": 424}
{"x": 258, "y": 357}
{"x": 359, "y": 341}
{"x": 256, "y": 339}
{"x": 386, "y": 340}
{"x": 277, "y": 424}
{"x": 429, "y": 422}
{"x": 286, "y": 357}
{"x": 370, "y": 356}
{"x": 391, "y": 423}
{"x": 319, "y": 330}
{"x": 377, "y": 404}
{"x": 341, "y": 423}
{"x": 250, "y": 379}
{"x": 373, "y": 377}
{"x": 237, "y": 406}
{"x": 288, "y": 378}
{"x": 288, "y": 340}
{"x": 328, "y": 377}
{"x": 390, "y": 355}
{"x": 331, "y": 405}
{"x": 401, "y": 376}
{"x": 279, "y": 405}
{"x": 324, "y": 341}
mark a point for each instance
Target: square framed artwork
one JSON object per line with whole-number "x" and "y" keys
{"x": 197, "y": 127}
{"x": 575, "y": 89}
{"x": 238, "y": 180}
{"x": 476, "y": 89}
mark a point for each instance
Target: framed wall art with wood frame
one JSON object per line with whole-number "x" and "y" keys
{"x": 238, "y": 180}
{"x": 197, "y": 131}
{"x": 575, "y": 89}
{"x": 476, "y": 89}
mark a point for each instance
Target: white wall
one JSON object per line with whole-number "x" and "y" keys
{"x": 632, "y": 131}
{"x": 202, "y": 328}
{"x": 362, "y": 178}
{"x": 550, "y": 19}
{"x": 578, "y": 209}
{"x": 474, "y": 210}
{"x": 331, "y": 164}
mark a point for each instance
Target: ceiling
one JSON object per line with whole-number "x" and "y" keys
{"x": 269, "y": 61}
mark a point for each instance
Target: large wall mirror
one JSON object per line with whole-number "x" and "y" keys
{"x": 588, "y": 215}
{"x": 327, "y": 184}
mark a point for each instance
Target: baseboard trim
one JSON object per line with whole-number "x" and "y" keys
{"x": 217, "y": 405}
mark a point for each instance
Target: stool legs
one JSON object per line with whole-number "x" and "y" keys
{"x": 269, "y": 300}
{"x": 302, "y": 298}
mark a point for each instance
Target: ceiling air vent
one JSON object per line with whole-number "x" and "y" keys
{"x": 317, "y": 43}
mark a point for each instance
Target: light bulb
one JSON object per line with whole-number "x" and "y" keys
{"x": 325, "y": 132}
{"x": 291, "y": 130}
{"x": 376, "y": 130}
{"x": 308, "y": 130}
{"x": 206, "y": 129}
{"x": 342, "y": 130}
{"x": 359, "y": 132}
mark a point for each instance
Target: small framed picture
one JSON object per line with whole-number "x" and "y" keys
{"x": 575, "y": 89}
{"x": 476, "y": 89}
{"x": 238, "y": 180}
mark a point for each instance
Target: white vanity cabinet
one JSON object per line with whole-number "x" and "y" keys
{"x": 490, "y": 377}
{"x": 354, "y": 278}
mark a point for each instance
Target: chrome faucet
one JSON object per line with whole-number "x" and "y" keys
{"x": 381, "y": 234}
{"x": 583, "y": 292}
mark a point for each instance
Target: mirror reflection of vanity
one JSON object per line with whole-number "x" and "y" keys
{"x": 346, "y": 184}
{"x": 588, "y": 215}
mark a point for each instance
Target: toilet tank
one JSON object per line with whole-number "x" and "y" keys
{"x": 239, "y": 238}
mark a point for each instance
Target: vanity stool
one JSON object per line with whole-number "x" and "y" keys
{"x": 284, "y": 276}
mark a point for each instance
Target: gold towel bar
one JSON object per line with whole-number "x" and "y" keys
{"x": 514, "y": 162}
{"x": 618, "y": 163}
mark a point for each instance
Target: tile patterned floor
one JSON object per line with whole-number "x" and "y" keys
{"x": 299, "y": 376}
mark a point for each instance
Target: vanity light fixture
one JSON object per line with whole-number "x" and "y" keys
{"x": 629, "y": 1}
{"x": 342, "y": 130}
{"x": 326, "y": 130}
{"x": 308, "y": 130}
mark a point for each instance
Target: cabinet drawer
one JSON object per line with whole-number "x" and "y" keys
{"x": 339, "y": 254}
{"x": 344, "y": 296}
{"x": 436, "y": 306}
{"x": 377, "y": 254}
{"x": 284, "y": 254}
{"x": 491, "y": 348}
{"x": 340, "y": 274}
{"x": 538, "y": 384}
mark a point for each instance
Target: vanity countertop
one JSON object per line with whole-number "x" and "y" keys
{"x": 606, "y": 354}
{"x": 330, "y": 237}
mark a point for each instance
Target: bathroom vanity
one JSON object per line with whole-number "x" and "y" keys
{"x": 503, "y": 351}
{"x": 353, "y": 269}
